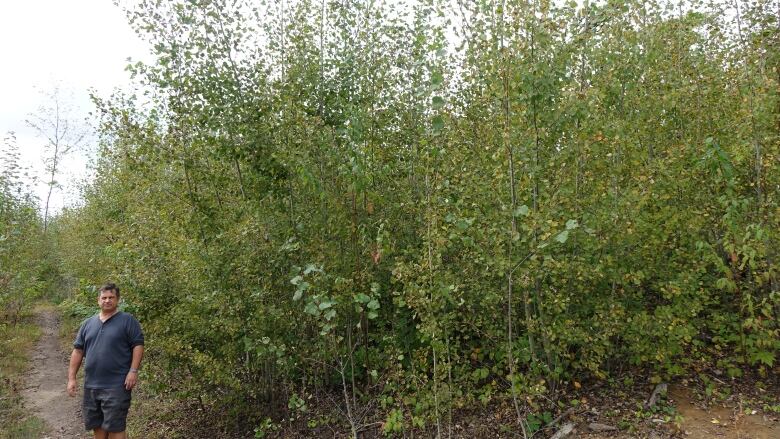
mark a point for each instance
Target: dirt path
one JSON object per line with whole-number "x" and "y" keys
{"x": 45, "y": 394}
{"x": 721, "y": 422}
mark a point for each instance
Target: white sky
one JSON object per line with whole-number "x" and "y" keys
{"x": 76, "y": 44}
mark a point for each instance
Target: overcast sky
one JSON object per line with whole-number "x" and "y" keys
{"x": 78, "y": 44}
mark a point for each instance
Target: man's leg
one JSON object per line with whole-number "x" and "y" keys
{"x": 92, "y": 413}
{"x": 115, "y": 407}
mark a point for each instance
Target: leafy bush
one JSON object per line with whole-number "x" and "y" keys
{"x": 337, "y": 199}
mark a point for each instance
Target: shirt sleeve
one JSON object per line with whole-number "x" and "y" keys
{"x": 134, "y": 333}
{"x": 78, "y": 343}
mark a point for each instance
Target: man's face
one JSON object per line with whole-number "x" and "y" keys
{"x": 108, "y": 301}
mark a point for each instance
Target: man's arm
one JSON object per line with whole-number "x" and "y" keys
{"x": 135, "y": 364}
{"x": 75, "y": 362}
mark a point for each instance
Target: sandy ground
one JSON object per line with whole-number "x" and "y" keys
{"x": 45, "y": 394}
{"x": 716, "y": 422}
{"x": 722, "y": 422}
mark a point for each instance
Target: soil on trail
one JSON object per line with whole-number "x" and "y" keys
{"x": 695, "y": 422}
{"x": 721, "y": 422}
{"x": 45, "y": 393}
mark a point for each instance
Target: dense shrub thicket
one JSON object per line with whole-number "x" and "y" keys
{"x": 22, "y": 268}
{"x": 434, "y": 203}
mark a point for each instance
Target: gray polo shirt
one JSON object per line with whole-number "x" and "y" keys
{"x": 108, "y": 349}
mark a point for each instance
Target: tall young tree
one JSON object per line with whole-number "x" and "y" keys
{"x": 54, "y": 122}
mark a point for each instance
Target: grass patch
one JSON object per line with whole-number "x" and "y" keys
{"x": 16, "y": 342}
{"x": 27, "y": 428}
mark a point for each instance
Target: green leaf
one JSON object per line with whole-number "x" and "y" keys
{"x": 522, "y": 211}
{"x": 298, "y": 294}
{"x": 326, "y": 328}
{"x": 438, "y": 123}
{"x": 462, "y": 225}
{"x": 311, "y": 308}
{"x": 373, "y": 304}
{"x": 326, "y": 304}
{"x": 436, "y": 79}
{"x": 296, "y": 280}
{"x": 437, "y": 102}
{"x": 572, "y": 224}
{"x": 765, "y": 357}
{"x": 562, "y": 237}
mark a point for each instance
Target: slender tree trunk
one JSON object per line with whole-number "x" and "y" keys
{"x": 535, "y": 190}
{"x": 513, "y": 233}
{"x": 350, "y": 413}
{"x": 51, "y": 188}
{"x": 431, "y": 299}
{"x": 758, "y": 158}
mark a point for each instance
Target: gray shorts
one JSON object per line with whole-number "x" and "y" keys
{"x": 106, "y": 409}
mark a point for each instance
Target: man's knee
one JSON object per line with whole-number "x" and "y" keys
{"x": 103, "y": 434}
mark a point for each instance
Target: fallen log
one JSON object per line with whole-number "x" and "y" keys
{"x": 564, "y": 431}
{"x": 659, "y": 390}
{"x": 595, "y": 426}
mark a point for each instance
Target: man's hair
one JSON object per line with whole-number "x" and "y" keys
{"x": 110, "y": 287}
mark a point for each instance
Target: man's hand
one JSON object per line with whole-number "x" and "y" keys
{"x": 73, "y": 368}
{"x": 72, "y": 387}
{"x": 132, "y": 378}
{"x": 135, "y": 363}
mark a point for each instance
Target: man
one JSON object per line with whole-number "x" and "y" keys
{"x": 113, "y": 344}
